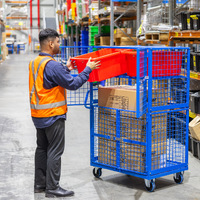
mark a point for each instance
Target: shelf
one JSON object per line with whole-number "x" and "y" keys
{"x": 103, "y": 19}
{"x": 60, "y": 12}
{"x": 153, "y": 42}
{"x": 16, "y": 29}
{"x": 195, "y": 75}
{"x": 192, "y": 115}
{"x": 16, "y": 2}
{"x": 189, "y": 36}
{"x": 17, "y": 17}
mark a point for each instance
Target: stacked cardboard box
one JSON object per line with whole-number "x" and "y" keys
{"x": 124, "y": 97}
{"x": 132, "y": 156}
{"x": 131, "y": 127}
{"x": 126, "y": 126}
{"x": 122, "y": 39}
{"x": 105, "y": 41}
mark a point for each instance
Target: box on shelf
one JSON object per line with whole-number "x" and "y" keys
{"x": 96, "y": 41}
{"x": 3, "y": 37}
{"x": 195, "y": 61}
{"x": 195, "y": 102}
{"x": 4, "y": 51}
{"x": 194, "y": 127}
{"x": 195, "y": 20}
{"x": 104, "y": 40}
{"x": 118, "y": 33}
{"x": 125, "y": 41}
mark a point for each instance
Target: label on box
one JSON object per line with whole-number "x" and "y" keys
{"x": 120, "y": 102}
{"x": 128, "y": 30}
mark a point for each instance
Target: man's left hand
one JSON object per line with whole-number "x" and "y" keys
{"x": 69, "y": 64}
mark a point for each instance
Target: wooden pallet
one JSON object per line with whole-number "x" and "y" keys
{"x": 156, "y": 36}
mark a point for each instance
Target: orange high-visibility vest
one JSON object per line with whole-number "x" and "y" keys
{"x": 44, "y": 102}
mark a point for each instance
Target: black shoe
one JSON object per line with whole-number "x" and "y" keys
{"x": 59, "y": 192}
{"x": 39, "y": 188}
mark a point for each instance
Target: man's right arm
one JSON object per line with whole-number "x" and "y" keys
{"x": 56, "y": 74}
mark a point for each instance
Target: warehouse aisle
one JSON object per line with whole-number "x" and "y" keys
{"x": 17, "y": 146}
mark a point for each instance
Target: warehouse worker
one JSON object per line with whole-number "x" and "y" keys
{"x": 47, "y": 82}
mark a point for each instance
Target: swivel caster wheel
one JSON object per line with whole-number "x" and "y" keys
{"x": 97, "y": 172}
{"x": 178, "y": 177}
{"x": 150, "y": 185}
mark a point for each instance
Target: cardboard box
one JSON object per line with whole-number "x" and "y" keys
{"x": 125, "y": 41}
{"x": 4, "y": 51}
{"x": 105, "y": 40}
{"x": 194, "y": 127}
{"x": 97, "y": 41}
{"x": 120, "y": 97}
{"x": 131, "y": 128}
{"x": 118, "y": 33}
{"x": 3, "y": 37}
{"x": 124, "y": 97}
{"x": 132, "y": 156}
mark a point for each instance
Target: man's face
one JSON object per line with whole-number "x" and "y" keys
{"x": 56, "y": 46}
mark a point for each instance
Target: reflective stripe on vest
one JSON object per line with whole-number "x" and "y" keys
{"x": 35, "y": 77}
{"x": 48, "y": 106}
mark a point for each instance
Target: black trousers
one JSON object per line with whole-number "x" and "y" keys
{"x": 50, "y": 147}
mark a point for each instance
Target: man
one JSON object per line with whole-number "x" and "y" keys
{"x": 48, "y": 80}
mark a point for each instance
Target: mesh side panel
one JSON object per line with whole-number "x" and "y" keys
{"x": 169, "y": 92}
{"x": 132, "y": 157}
{"x": 132, "y": 128}
{"x": 176, "y": 137}
{"x": 107, "y": 151}
{"x": 107, "y": 122}
{"x": 171, "y": 138}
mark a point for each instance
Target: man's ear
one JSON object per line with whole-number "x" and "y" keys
{"x": 51, "y": 44}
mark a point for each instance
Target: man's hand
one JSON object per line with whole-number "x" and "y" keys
{"x": 93, "y": 65}
{"x": 69, "y": 64}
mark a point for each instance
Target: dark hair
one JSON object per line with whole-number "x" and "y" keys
{"x": 47, "y": 34}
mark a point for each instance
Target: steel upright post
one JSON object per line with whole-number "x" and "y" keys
{"x": 112, "y": 23}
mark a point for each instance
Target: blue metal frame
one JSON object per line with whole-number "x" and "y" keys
{"x": 172, "y": 107}
{"x": 181, "y": 107}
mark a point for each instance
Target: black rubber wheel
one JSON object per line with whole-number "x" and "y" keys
{"x": 97, "y": 173}
{"x": 152, "y": 186}
{"x": 179, "y": 178}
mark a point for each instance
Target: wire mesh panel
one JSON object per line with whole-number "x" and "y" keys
{"x": 120, "y": 139}
{"x": 171, "y": 145}
{"x": 141, "y": 82}
{"x": 168, "y": 72}
{"x": 177, "y": 135}
{"x": 77, "y": 97}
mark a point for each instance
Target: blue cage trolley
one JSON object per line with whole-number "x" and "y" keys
{"x": 151, "y": 140}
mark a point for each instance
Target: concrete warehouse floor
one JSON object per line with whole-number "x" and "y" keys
{"x": 18, "y": 142}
